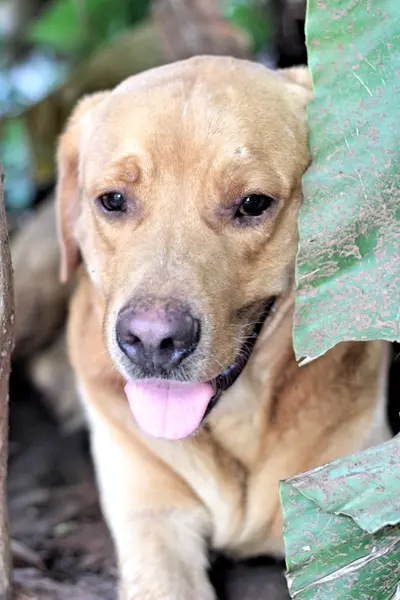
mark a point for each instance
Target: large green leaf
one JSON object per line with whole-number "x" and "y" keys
{"x": 342, "y": 528}
{"x": 348, "y": 266}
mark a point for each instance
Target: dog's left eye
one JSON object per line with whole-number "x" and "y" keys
{"x": 253, "y": 205}
{"x": 112, "y": 202}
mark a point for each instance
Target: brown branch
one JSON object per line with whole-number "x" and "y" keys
{"x": 6, "y": 346}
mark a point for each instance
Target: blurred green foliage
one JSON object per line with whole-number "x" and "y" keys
{"x": 78, "y": 27}
{"x": 16, "y": 161}
{"x": 252, "y": 17}
{"x": 64, "y": 34}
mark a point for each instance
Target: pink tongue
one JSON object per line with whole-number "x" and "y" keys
{"x": 168, "y": 409}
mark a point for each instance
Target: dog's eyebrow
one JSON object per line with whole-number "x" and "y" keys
{"x": 123, "y": 171}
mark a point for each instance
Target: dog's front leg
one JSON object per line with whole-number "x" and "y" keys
{"x": 158, "y": 525}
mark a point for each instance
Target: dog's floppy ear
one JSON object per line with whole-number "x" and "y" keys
{"x": 67, "y": 191}
{"x": 299, "y": 75}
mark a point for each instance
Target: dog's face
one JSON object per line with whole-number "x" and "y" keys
{"x": 181, "y": 190}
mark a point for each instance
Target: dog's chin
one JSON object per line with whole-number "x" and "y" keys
{"x": 226, "y": 378}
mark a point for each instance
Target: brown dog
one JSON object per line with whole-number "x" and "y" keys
{"x": 180, "y": 189}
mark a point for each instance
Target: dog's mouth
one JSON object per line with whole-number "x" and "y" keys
{"x": 174, "y": 410}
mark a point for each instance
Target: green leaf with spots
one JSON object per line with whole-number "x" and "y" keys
{"x": 342, "y": 528}
{"x": 348, "y": 264}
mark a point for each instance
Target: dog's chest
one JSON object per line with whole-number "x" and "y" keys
{"x": 247, "y": 520}
{"x": 245, "y": 474}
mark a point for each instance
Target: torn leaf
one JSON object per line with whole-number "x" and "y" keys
{"x": 342, "y": 527}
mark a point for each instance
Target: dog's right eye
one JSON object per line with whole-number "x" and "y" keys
{"x": 112, "y": 202}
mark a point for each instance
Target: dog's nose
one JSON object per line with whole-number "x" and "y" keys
{"x": 157, "y": 338}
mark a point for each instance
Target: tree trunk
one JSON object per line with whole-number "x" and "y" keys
{"x": 6, "y": 346}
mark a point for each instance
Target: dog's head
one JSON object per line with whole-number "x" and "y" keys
{"x": 180, "y": 189}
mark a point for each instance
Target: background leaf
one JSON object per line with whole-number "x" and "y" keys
{"x": 80, "y": 26}
{"x": 348, "y": 266}
{"x": 252, "y": 17}
{"x": 16, "y": 160}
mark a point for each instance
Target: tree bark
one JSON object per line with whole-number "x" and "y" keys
{"x": 6, "y": 346}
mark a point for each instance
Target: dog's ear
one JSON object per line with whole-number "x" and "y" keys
{"x": 67, "y": 191}
{"x": 299, "y": 75}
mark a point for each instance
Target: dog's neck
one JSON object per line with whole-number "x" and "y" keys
{"x": 253, "y": 401}
{"x": 274, "y": 346}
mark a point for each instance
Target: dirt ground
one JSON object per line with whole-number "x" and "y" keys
{"x": 62, "y": 549}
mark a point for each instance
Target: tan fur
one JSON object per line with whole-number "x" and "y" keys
{"x": 40, "y": 300}
{"x": 51, "y": 373}
{"x": 183, "y": 142}
{"x": 41, "y": 305}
